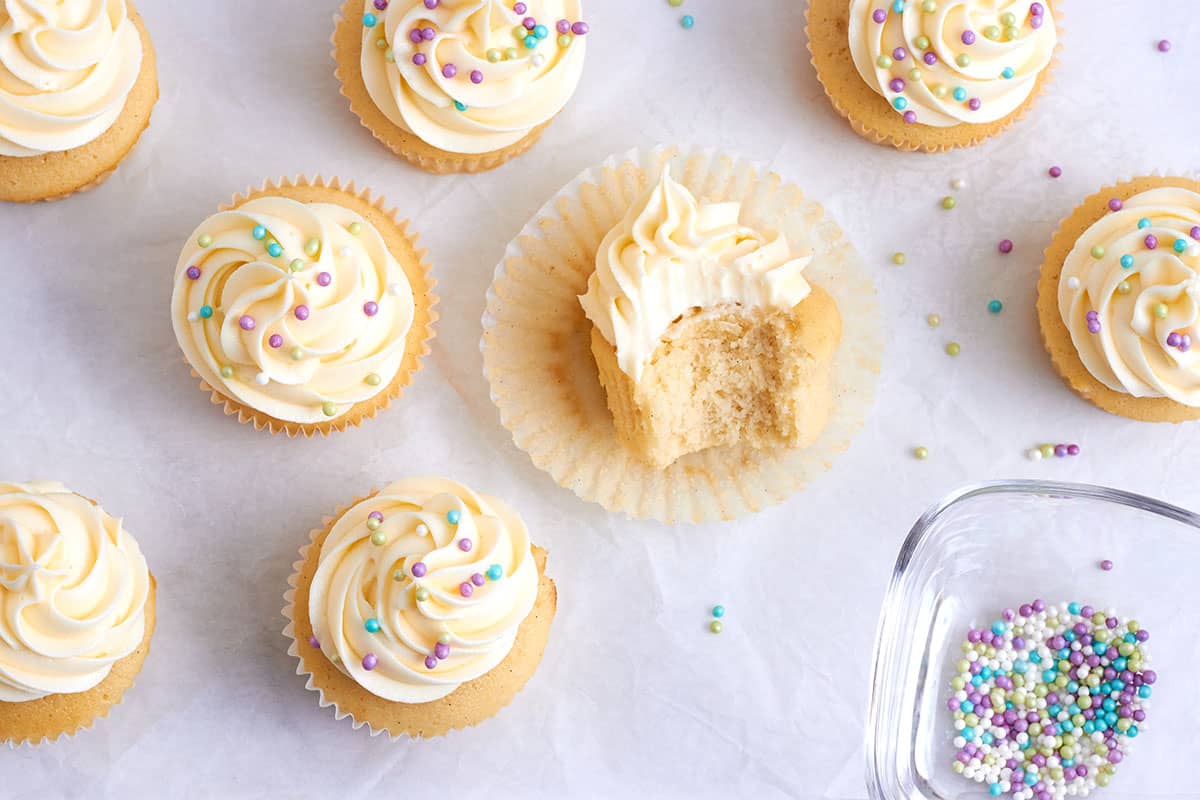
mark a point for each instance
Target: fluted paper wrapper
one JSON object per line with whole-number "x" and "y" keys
{"x": 543, "y": 378}
{"x": 403, "y": 246}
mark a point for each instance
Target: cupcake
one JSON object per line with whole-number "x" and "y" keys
{"x": 304, "y": 307}
{"x": 459, "y": 85}
{"x": 421, "y": 609}
{"x": 1119, "y": 299}
{"x": 77, "y": 84}
{"x": 705, "y": 331}
{"x": 76, "y": 612}
{"x": 932, "y": 75}
{"x": 703, "y": 376}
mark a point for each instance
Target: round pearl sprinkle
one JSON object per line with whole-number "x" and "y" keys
{"x": 580, "y": 29}
{"x": 1164, "y": 45}
{"x": 449, "y": 71}
{"x": 1115, "y": 204}
{"x": 963, "y": 60}
{"x": 974, "y": 103}
{"x": 422, "y": 529}
{"x": 929, "y": 6}
{"x": 995, "y": 306}
{"x": 206, "y": 312}
{"x": 419, "y": 59}
{"x": 958, "y": 184}
{"x": 1127, "y": 261}
{"x": 718, "y": 611}
{"x": 373, "y": 379}
{"x": 933, "y": 320}
{"x": 565, "y": 40}
{"x": 370, "y": 308}
{"x": 494, "y": 56}
{"x": 428, "y": 34}
{"x": 204, "y": 240}
{"x": 953, "y": 349}
{"x": 1073, "y": 282}
{"x": 259, "y": 232}
{"x": 431, "y": 662}
{"x": 1106, "y": 565}
{"x": 884, "y": 62}
{"x": 716, "y": 626}
{"x": 324, "y": 279}
{"x": 1033, "y": 454}
{"x": 1098, "y": 251}
{"x": 476, "y": 76}
{"x": 312, "y": 247}
{"x": 262, "y": 378}
{"x": 1005, "y": 246}
{"x": 421, "y": 594}
{"x": 453, "y": 516}
{"x": 519, "y": 8}
{"x": 373, "y": 523}
{"x": 369, "y": 662}
{"x": 1151, "y": 241}
{"x": 276, "y": 341}
{"x": 949, "y": 202}
{"x": 300, "y": 312}
{"x": 1047, "y": 451}
{"x": 466, "y": 589}
{"x": 371, "y": 625}
{"x": 1007, "y": 73}
{"x": 465, "y": 545}
{"x": 968, "y": 37}
{"x": 478, "y": 579}
{"x": 921, "y": 453}
{"x": 329, "y": 408}
{"x": 1179, "y": 246}
{"x": 274, "y": 250}
{"x": 910, "y": 116}
{"x": 376, "y": 515}
{"x": 441, "y": 651}
{"x": 1072, "y": 449}
{"x": 896, "y": 84}
{"x": 297, "y": 265}
{"x": 370, "y": 20}
{"x": 314, "y": 643}
{"x": 564, "y": 26}
{"x": 430, "y": 4}
{"x": 246, "y": 322}
{"x": 1043, "y": 704}
{"x": 1160, "y": 310}
{"x": 879, "y": 15}
{"x": 444, "y": 637}
{"x": 297, "y": 353}
{"x": 379, "y": 538}
{"x": 1055, "y": 172}
{"x": 419, "y": 569}
{"x": 1123, "y": 287}
{"x": 930, "y": 60}
{"x": 687, "y": 22}
{"x": 1144, "y": 222}
{"x": 193, "y": 273}
{"x": 900, "y": 103}
{"x": 899, "y": 259}
{"x": 899, "y": 54}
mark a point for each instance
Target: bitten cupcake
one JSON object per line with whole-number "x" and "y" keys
{"x": 705, "y": 331}
{"x": 76, "y": 612}
{"x": 932, "y": 75}
{"x": 304, "y": 308}
{"x": 77, "y": 84}
{"x": 421, "y": 609}
{"x": 1119, "y": 299}
{"x": 459, "y": 85}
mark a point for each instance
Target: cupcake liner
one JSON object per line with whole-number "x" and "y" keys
{"x": 416, "y": 268}
{"x": 295, "y": 630}
{"x": 869, "y": 114}
{"x": 347, "y": 53}
{"x": 54, "y": 178}
{"x": 544, "y": 380}
{"x": 118, "y": 681}
{"x": 1055, "y": 336}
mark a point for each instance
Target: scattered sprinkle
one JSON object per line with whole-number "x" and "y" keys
{"x": 1055, "y": 172}
{"x": 716, "y": 626}
{"x": 718, "y": 611}
{"x": 899, "y": 259}
{"x": 1106, "y": 565}
{"x": 1005, "y": 246}
{"x": 995, "y": 306}
{"x": 1164, "y": 45}
{"x": 687, "y": 22}
{"x": 921, "y": 453}
{"x": 933, "y": 320}
{"x": 953, "y": 349}
{"x": 948, "y": 202}
{"x": 958, "y": 184}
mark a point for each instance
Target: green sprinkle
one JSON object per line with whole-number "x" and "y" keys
{"x": 494, "y": 55}
{"x": 899, "y": 259}
{"x": 422, "y": 594}
{"x": 922, "y": 42}
{"x": 328, "y": 408}
{"x": 1160, "y": 310}
{"x": 674, "y": 3}
{"x": 921, "y": 453}
{"x": 992, "y": 32}
{"x": 564, "y": 40}
{"x": 1047, "y": 450}
{"x": 963, "y": 60}
{"x": 297, "y": 353}
{"x": 355, "y": 228}
{"x": 1098, "y": 251}
{"x": 312, "y": 247}
{"x": 379, "y": 538}
{"x": 929, "y": 6}
{"x": 884, "y": 62}
{"x": 381, "y": 43}
{"x": 398, "y": 575}
{"x": 373, "y": 523}
{"x": 227, "y": 371}
{"x": 296, "y": 265}
{"x": 953, "y": 349}
{"x": 204, "y": 240}
{"x": 716, "y": 626}
{"x": 444, "y": 638}
{"x": 949, "y": 202}
{"x": 933, "y": 320}
{"x": 373, "y": 379}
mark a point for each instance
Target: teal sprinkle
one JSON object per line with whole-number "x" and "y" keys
{"x": 960, "y": 94}
{"x": 541, "y": 32}
{"x": 460, "y": 106}
{"x": 1144, "y": 222}
{"x": 1129, "y": 638}
{"x": 718, "y": 611}
{"x": 995, "y": 306}
{"x": 1127, "y": 261}
{"x": 687, "y": 22}
{"x": 531, "y": 41}
{"x": 898, "y": 6}
{"x": 275, "y": 250}
{"x": 1073, "y": 608}
{"x": 372, "y": 625}
{"x": 1179, "y": 246}
{"x": 259, "y": 232}
{"x": 900, "y": 103}
{"x": 369, "y": 20}
{"x": 453, "y": 516}
{"x": 1008, "y": 72}
{"x": 495, "y": 572}
{"x": 1144, "y": 692}
{"x": 206, "y": 312}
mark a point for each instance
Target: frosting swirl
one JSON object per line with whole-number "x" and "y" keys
{"x": 295, "y": 309}
{"x": 421, "y": 588}
{"x": 73, "y": 589}
{"x": 458, "y": 78}
{"x": 1129, "y": 294}
{"x": 66, "y": 69}
{"x": 671, "y": 254}
{"x": 947, "y": 62}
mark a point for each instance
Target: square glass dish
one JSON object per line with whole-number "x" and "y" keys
{"x": 998, "y": 545}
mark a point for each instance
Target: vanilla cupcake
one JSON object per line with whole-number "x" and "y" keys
{"x": 705, "y": 331}
{"x": 304, "y": 308}
{"x": 76, "y": 612}
{"x": 1119, "y": 299}
{"x": 932, "y": 74}
{"x": 77, "y": 84}
{"x": 459, "y": 85}
{"x": 421, "y": 609}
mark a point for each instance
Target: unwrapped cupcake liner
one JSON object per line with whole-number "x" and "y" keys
{"x": 416, "y": 268}
{"x": 894, "y": 131}
{"x": 543, "y": 377}
{"x": 347, "y": 52}
{"x": 295, "y": 646}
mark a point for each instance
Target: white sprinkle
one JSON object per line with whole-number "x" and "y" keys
{"x": 193, "y": 316}
{"x": 1034, "y": 454}
{"x": 345, "y": 252}
{"x": 262, "y": 379}
{"x": 422, "y": 530}
{"x": 538, "y": 60}
{"x": 1194, "y": 250}
{"x": 1072, "y": 283}
{"x": 958, "y": 184}
{"x": 395, "y": 288}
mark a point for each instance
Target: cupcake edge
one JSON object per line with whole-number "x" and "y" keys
{"x": 1054, "y": 334}
{"x": 347, "y": 43}
{"x": 416, "y": 269}
{"x": 877, "y": 121}
{"x": 452, "y": 712}
{"x": 46, "y": 178}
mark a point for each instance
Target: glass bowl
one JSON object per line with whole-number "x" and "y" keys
{"x": 993, "y": 546}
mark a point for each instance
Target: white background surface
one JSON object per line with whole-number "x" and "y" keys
{"x": 633, "y": 693}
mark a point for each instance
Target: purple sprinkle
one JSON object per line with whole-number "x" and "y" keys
{"x": 369, "y": 662}
{"x": 313, "y": 643}
{"x": 414, "y": 35}
{"x": 1018, "y": 643}
{"x": 430, "y": 4}
{"x": 1151, "y": 241}
{"x": 449, "y": 71}
{"x": 899, "y": 54}
{"x": 428, "y": 33}
{"x": 419, "y": 59}
{"x": 1195, "y": 233}
{"x": 563, "y": 26}
{"x": 1092, "y": 314}
{"x": 1008, "y": 615}
{"x": 419, "y": 569}
{"x": 910, "y": 116}
{"x": 441, "y": 650}
{"x": 1142, "y": 635}
{"x": 879, "y": 15}
{"x": 1174, "y": 339}
{"x": 580, "y": 29}
{"x": 1056, "y": 172}
{"x": 1039, "y": 605}
{"x": 1093, "y": 326}
{"x": 1115, "y": 204}
{"x": 896, "y": 84}
{"x": 1087, "y": 611}
{"x": 478, "y": 579}
{"x": 519, "y": 8}
{"x": 466, "y": 589}
{"x": 1036, "y": 22}
{"x": 465, "y": 545}
{"x": 1060, "y": 450}
{"x": 324, "y": 278}
{"x": 1139, "y": 715}
{"x": 1164, "y": 45}
{"x": 476, "y": 76}
{"x": 247, "y": 322}
{"x": 275, "y": 341}
{"x": 930, "y": 58}
{"x": 952, "y": 704}
{"x": 1025, "y": 610}
{"x": 370, "y": 308}
{"x": 430, "y": 662}
{"x": 1073, "y": 450}
{"x": 194, "y": 272}
{"x": 1150, "y": 676}
{"x": 530, "y": 23}
{"x": 376, "y": 515}
{"x": 974, "y": 103}
{"x": 968, "y": 37}
{"x": 301, "y": 312}
{"x": 1006, "y": 246}
{"x": 381, "y": 5}
{"x": 1037, "y": 9}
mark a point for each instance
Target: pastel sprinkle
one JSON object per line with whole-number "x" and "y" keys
{"x": 495, "y": 572}
{"x": 431, "y": 662}
{"x": 370, "y": 661}
{"x": 276, "y": 341}
{"x": 259, "y": 232}
{"x": 373, "y": 379}
{"x": 477, "y": 579}
{"x": 372, "y": 625}
{"x": 379, "y": 538}
{"x": 1005, "y": 246}
{"x": 465, "y": 545}
{"x": 949, "y": 202}
{"x": 953, "y": 349}
{"x": 1127, "y": 261}
{"x": 466, "y": 589}
{"x": 899, "y": 259}
{"x": 422, "y": 594}
{"x": 314, "y": 643}
{"x": 226, "y": 371}
{"x": 921, "y": 453}
{"x": 718, "y": 611}
{"x": 1055, "y": 172}
{"x": 716, "y": 626}
{"x": 1164, "y": 45}
{"x": 328, "y": 408}
{"x": 297, "y": 265}
{"x": 246, "y": 322}
{"x": 370, "y": 20}
{"x": 1106, "y": 565}
{"x": 453, "y": 516}
{"x": 204, "y": 240}
{"x": 419, "y": 569}
{"x": 324, "y": 278}
{"x": 995, "y": 306}
{"x": 933, "y": 320}
{"x": 193, "y": 273}
{"x": 274, "y": 250}
{"x": 687, "y": 22}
